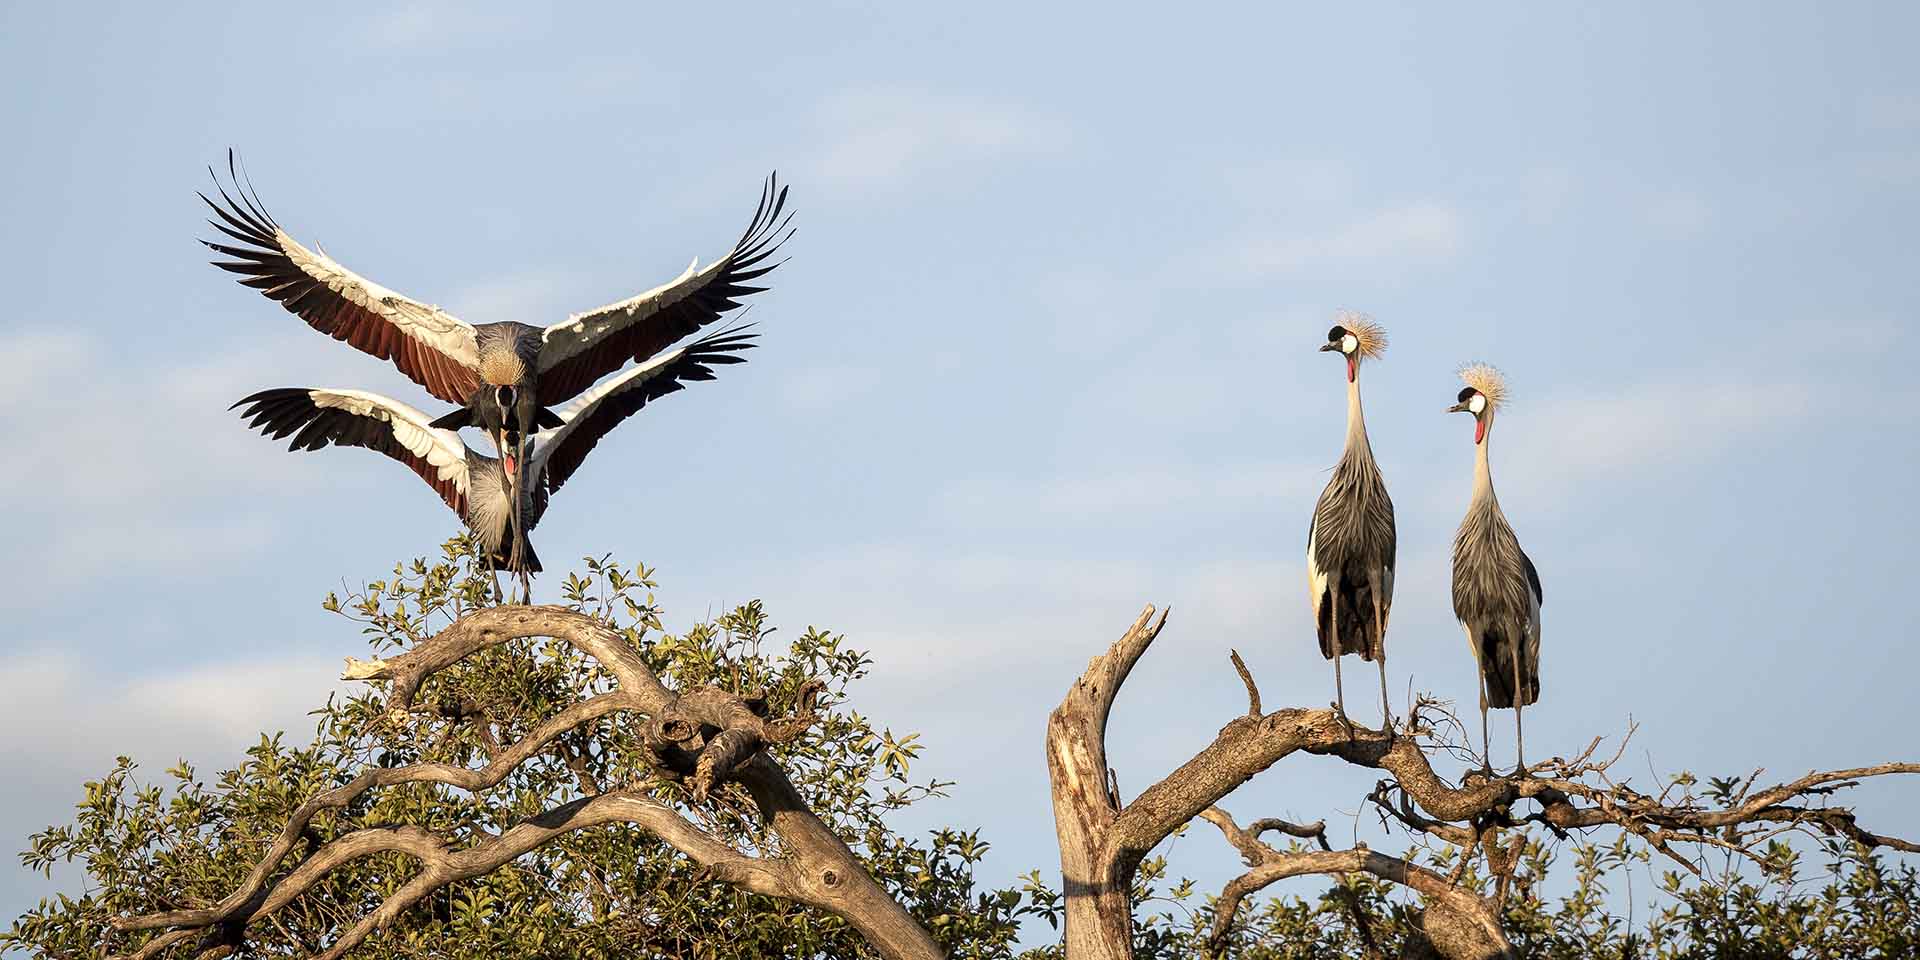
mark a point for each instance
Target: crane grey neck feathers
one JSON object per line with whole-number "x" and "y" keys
{"x": 1357, "y": 445}
{"x": 1482, "y": 470}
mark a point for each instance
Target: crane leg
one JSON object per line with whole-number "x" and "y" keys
{"x": 1380, "y": 648}
{"x": 1339, "y": 695}
{"x": 1519, "y": 732}
{"x": 1486, "y": 740}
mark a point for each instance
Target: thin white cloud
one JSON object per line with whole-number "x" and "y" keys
{"x": 1677, "y": 210}
{"x": 1425, "y": 231}
{"x": 1544, "y": 193}
{"x": 815, "y": 391}
{"x": 885, "y": 138}
{"x": 1888, "y": 112}
{"x": 207, "y": 713}
{"x": 1587, "y": 437}
{"x": 1102, "y": 494}
{"x": 427, "y": 26}
{"x": 126, "y": 467}
{"x": 537, "y": 296}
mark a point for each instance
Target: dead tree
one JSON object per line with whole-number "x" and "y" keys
{"x": 1103, "y": 838}
{"x": 707, "y": 737}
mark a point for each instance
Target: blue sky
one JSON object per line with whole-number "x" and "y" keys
{"x": 1044, "y": 353}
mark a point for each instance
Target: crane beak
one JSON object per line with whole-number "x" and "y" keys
{"x": 1329, "y": 346}
{"x": 1458, "y": 408}
{"x": 509, "y": 456}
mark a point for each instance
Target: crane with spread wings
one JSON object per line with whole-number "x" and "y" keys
{"x": 477, "y": 487}
{"x": 506, "y": 375}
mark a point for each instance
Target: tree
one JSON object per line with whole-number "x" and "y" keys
{"x": 487, "y": 760}
{"x": 571, "y": 780}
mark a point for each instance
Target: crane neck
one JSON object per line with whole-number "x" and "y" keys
{"x": 1482, "y": 471}
{"x": 1356, "y": 419}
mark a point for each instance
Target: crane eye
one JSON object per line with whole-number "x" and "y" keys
{"x": 1465, "y": 392}
{"x": 1336, "y": 334}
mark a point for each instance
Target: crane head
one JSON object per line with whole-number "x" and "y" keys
{"x": 1357, "y": 338}
{"x": 1485, "y": 391}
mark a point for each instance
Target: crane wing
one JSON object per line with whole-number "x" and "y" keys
{"x": 353, "y": 418}
{"x": 1316, "y": 577}
{"x": 432, "y": 347}
{"x": 559, "y": 452}
{"x": 590, "y": 345}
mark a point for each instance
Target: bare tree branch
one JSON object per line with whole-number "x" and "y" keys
{"x": 1269, "y": 866}
{"x": 1102, "y": 844}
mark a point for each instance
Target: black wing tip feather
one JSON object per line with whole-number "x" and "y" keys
{"x": 723, "y": 342}
{"x": 767, "y": 218}
{"x": 247, "y": 214}
{"x": 273, "y": 394}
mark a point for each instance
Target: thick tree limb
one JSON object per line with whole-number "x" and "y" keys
{"x": 1097, "y": 888}
{"x": 1482, "y": 935}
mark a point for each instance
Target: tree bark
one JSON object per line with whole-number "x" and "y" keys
{"x": 1096, "y": 885}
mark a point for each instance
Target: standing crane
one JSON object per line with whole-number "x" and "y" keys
{"x": 504, "y": 375}
{"x": 482, "y": 489}
{"x": 1351, "y": 541}
{"x": 1496, "y": 590}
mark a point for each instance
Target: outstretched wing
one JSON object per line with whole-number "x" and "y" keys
{"x": 433, "y": 348}
{"x": 590, "y": 345}
{"x": 353, "y": 418}
{"x": 558, "y": 452}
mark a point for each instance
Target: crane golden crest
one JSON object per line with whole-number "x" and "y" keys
{"x": 1487, "y": 379}
{"x": 1371, "y": 337}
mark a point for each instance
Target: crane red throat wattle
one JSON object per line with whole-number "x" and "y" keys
{"x": 1353, "y": 366}
{"x": 1479, "y": 429}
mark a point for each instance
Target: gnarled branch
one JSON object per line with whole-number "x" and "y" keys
{"x": 706, "y": 734}
{"x": 1102, "y": 842}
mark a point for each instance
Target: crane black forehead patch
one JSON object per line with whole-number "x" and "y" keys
{"x": 1334, "y": 335}
{"x": 1466, "y": 392}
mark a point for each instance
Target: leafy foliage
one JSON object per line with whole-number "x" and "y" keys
{"x": 607, "y": 892}
{"x": 616, "y": 892}
{"x": 1858, "y": 906}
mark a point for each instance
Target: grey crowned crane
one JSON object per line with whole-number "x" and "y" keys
{"x": 1351, "y": 541}
{"x": 1496, "y": 590}
{"x": 481, "y": 489}
{"x": 504, "y": 375}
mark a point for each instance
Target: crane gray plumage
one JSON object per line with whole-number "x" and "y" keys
{"x": 504, "y": 375}
{"x": 1496, "y": 589}
{"x": 1351, "y": 542}
{"x": 477, "y": 487}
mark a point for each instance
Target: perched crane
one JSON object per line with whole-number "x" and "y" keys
{"x": 482, "y": 489}
{"x": 1496, "y": 590}
{"x": 504, "y": 375}
{"x": 1350, "y": 541}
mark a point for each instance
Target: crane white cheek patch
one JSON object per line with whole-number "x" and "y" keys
{"x": 1349, "y": 343}
{"x": 1477, "y": 404}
